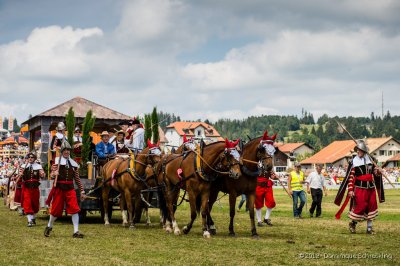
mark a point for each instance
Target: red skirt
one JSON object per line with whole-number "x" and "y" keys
{"x": 364, "y": 205}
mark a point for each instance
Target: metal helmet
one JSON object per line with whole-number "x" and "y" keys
{"x": 361, "y": 146}
{"x": 60, "y": 126}
{"x": 65, "y": 145}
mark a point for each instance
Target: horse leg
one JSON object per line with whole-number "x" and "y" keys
{"x": 148, "y": 222}
{"x": 250, "y": 204}
{"x": 170, "y": 201}
{"x": 193, "y": 214}
{"x": 232, "y": 204}
{"x": 128, "y": 200}
{"x": 104, "y": 194}
{"x": 213, "y": 197}
{"x": 124, "y": 211}
{"x": 205, "y": 213}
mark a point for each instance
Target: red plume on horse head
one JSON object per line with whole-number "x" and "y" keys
{"x": 230, "y": 144}
{"x": 268, "y": 138}
{"x": 185, "y": 139}
{"x": 151, "y": 145}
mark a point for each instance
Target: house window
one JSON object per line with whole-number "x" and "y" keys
{"x": 381, "y": 152}
{"x": 198, "y": 132}
{"x": 390, "y": 153}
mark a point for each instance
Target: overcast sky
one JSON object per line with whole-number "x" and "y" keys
{"x": 201, "y": 59}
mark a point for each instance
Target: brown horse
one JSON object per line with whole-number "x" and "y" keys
{"x": 185, "y": 172}
{"x": 129, "y": 181}
{"x": 257, "y": 158}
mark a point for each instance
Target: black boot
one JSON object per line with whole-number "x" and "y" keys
{"x": 47, "y": 231}
{"x": 352, "y": 227}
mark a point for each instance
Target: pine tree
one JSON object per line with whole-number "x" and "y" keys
{"x": 87, "y": 127}
{"x": 70, "y": 124}
{"x": 147, "y": 128}
{"x": 154, "y": 125}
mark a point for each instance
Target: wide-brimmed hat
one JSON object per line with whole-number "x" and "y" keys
{"x": 77, "y": 129}
{"x": 121, "y": 132}
{"x": 104, "y": 133}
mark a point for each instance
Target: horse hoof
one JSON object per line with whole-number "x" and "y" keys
{"x": 213, "y": 230}
{"x": 107, "y": 224}
{"x": 232, "y": 234}
{"x": 168, "y": 230}
{"x": 125, "y": 224}
{"x": 185, "y": 230}
{"x": 148, "y": 224}
{"x": 206, "y": 234}
{"x": 132, "y": 227}
{"x": 177, "y": 232}
{"x": 256, "y": 237}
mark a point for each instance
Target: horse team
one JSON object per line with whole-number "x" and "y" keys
{"x": 202, "y": 171}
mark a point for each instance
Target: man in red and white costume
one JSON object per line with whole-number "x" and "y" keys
{"x": 264, "y": 192}
{"x": 65, "y": 171}
{"x": 30, "y": 174}
{"x": 363, "y": 180}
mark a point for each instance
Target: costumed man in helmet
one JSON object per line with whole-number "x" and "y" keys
{"x": 57, "y": 140}
{"x": 264, "y": 192}
{"x": 136, "y": 141}
{"x": 65, "y": 171}
{"x": 362, "y": 181}
{"x": 77, "y": 145}
{"x": 30, "y": 173}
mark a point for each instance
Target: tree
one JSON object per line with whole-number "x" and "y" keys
{"x": 16, "y": 128}
{"x": 70, "y": 124}
{"x": 323, "y": 119}
{"x": 147, "y": 128}
{"x": 87, "y": 127}
{"x": 5, "y": 123}
{"x": 154, "y": 125}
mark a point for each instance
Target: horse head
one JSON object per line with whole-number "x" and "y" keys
{"x": 188, "y": 144}
{"x": 153, "y": 154}
{"x": 230, "y": 159}
{"x": 265, "y": 153}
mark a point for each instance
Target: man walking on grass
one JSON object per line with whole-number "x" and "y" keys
{"x": 315, "y": 184}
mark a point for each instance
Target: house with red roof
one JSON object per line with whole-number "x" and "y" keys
{"x": 338, "y": 153}
{"x": 198, "y": 130}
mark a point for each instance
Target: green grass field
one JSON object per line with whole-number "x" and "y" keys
{"x": 289, "y": 241}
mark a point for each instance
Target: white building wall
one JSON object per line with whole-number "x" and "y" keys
{"x": 387, "y": 151}
{"x": 174, "y": 139}
{"x": 302, "y": 150}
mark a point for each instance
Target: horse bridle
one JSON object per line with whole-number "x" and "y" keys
{"x": 229, "y": 157}
{"x": 261, "y": 159}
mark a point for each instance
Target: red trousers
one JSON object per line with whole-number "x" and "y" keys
{"x": 18, "y": 195}
{"x": 364, "y": 205}
{"x": 61, "y": 198}
{"x": 264, "y": 194}
{"x": 30, "y": 201}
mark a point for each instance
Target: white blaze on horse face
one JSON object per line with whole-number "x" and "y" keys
{"x": 190, "y": 145}
{"x": 155, "y": 151}
{"x": 269, "y": 149}
{"x": 235, "y": 154}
